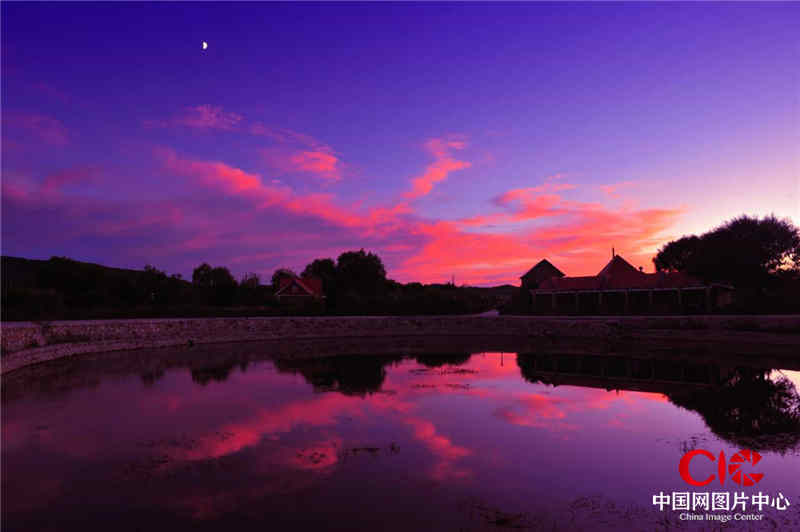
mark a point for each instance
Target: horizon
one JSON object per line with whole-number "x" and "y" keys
{"x": 450, "y": 139}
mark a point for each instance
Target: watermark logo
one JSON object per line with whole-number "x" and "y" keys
{"x": 706, "y": 506}
{"x": 734, "y": 468}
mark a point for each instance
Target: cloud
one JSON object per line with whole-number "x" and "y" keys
{"x": 320, "y": 162}
{"x": 250, "y": 186}
{"x": 295, "y": 152}
{"x": 201, "y": 117}
{"x": 437, "y": 171}
{"x": 316, "y": 162}
{"x": 41, "y": 127}
{"x": 292, "y": 152}
{"x": 54, "y": 182}
{"x": 577, "y": 240}
{"x": 285, "y": 136}
{"x": 239, "y": 216}
{"x": 613, "y": 189}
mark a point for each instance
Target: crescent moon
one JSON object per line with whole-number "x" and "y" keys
{"x": 205, "y": 45}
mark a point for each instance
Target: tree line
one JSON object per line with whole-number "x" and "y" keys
{"x": 355, "y": 283}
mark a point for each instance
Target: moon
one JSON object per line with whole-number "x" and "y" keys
{"x": 205, "y": 45}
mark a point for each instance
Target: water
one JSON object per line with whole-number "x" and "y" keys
{"x": 264, "y": 437}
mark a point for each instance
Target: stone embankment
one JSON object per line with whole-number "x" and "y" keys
{"x": 25, "y": 343}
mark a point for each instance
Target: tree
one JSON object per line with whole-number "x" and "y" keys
{"x": 360, "y": 271}
{"x": 746, "y": 251}
{"x": 214, "y": 285}
{"x": 201, "y": 276}
{"x": 678, "y": 255}
{"x": 279, "y": 274}
{"x": 325, "y": 269}
{"x": 223, "y": 285}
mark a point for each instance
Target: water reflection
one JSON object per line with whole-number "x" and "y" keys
{"x": 749, "y": 409}
{"x": 439, "y": 360}
{"x": 747, "y": 406}
{"x": 396, "y": 435}
{"x": 348, "y": 374}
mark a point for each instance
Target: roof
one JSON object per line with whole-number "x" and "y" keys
{"x": 571, "y": 283}
{"x": 312, "y": 286}
{"x": 543, "y": 270}
{"x": 619, "y": 274}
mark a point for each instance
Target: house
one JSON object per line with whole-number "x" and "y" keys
{"x": 543, "y": 271}
{"x": 298, "y": 289}
{"x": 619, "y": 288}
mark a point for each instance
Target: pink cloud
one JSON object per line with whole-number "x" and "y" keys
{"x": 217, "y": 174}
{"x": 237, "y": 182}
{"x": 578, "y": 241}
{"x": 438, "y": 171}
{"x": 577, "y": 238}
{"x": 299, "y": 153}
{"x": 316, "y": 162}
{"x": 320, "y": 162}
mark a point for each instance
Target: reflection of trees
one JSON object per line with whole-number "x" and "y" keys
{"x": 219, "y": 373}
{"x": 749, "y": 409}
{"x": 348, "y": 374}
{"x": 436, "y": 361}
{"x": 741, "y": 405}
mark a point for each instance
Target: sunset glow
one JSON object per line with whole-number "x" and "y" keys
{"x": 466, "y": 140}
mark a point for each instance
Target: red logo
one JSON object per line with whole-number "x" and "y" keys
{"x": 734, "y": 468}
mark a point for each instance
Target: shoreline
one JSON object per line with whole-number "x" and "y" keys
{"x": 27, "y": 343}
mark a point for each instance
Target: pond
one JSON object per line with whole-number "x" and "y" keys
{"x": 405, "y": 435}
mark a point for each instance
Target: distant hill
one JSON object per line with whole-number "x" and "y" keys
{"x": 21, "y": 273}
{"x": 34, "y": 288}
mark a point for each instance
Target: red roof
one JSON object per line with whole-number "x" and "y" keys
{"x": 310, "y": 285}
{"x": 619, "y": 274}
{"x": 571, "y": 283}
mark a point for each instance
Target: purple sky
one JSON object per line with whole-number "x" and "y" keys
{"x": 452, "y": 139}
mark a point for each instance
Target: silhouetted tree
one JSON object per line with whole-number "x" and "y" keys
{"x": 743, "y": 251}
{"x": 678, "y": 255}
{"x": 214, "y": 285}
{"x": 325, "y": 269}
{"x": 223, "y": 286}
{"x": 201, "y": 276}
{"x": 360, "y": 272}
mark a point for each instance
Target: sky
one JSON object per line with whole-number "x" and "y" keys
{"x": 467, "y": 140}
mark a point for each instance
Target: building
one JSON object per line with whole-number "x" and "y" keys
{"x": 619, "y": 288}
{"x": 543, "y": 271}
{"x": 299, "y": 289}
